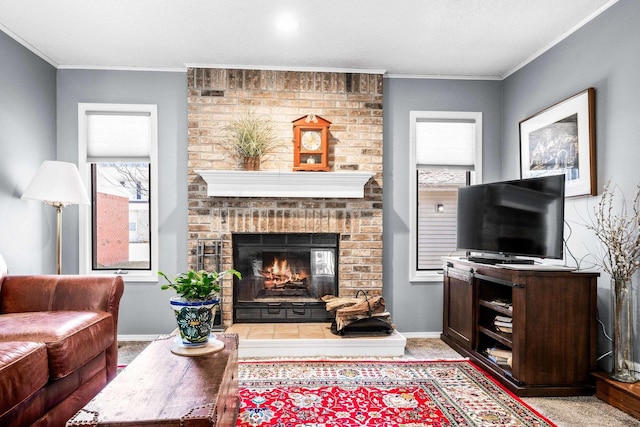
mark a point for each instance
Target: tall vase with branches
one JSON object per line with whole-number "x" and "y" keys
{"x": 618, "y": 230}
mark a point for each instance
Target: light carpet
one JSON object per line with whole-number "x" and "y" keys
{"x": 399, "y": 393}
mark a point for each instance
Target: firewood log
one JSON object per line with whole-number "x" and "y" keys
{"x": 340, "y": 302}
{"x": 373, "y": 305}
{"x": 358, "y": 316}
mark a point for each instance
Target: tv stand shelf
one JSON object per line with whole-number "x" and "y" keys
{"x": 551, "y": 350}
{"x": 502, "y": 338}
{"x": 495, "y": 307}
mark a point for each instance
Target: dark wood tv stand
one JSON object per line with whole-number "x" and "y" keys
{"x": 554, "y": 327}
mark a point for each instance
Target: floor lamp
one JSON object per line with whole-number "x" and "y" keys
{"x": 57, "y": 184}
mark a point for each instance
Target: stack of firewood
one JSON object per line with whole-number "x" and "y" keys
{"x": 348, "y": 310}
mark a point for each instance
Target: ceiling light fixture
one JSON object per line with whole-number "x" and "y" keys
{"x": 287, "y": 23}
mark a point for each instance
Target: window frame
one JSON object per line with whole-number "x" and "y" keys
{"x": 416, "y": 275}
{"x": 85, "y": 213}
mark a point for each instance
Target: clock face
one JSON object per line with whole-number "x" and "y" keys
{"x": 311, "y": 140}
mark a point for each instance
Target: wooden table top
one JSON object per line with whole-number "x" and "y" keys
{"x": 162, "y": 388}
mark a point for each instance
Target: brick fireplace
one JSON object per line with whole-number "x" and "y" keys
{"x": 353, "y": 103}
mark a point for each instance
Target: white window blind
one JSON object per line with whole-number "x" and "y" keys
{"x": 118, "y": 136}
{"x": 446, "y": 143}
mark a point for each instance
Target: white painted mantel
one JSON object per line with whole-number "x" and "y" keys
{"x": 238, "y": 183}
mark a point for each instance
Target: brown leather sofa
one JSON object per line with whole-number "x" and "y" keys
{"x": 58, "y": 345}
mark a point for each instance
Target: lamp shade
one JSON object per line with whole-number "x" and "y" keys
{"x": 57, "y": 183}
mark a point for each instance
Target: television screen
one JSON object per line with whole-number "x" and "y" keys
{"x": 513, "y": 218}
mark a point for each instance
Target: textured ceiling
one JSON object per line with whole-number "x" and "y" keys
{"x": 452, "y": 38}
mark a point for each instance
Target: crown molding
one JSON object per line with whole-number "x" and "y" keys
{"x": 287, "y": 68}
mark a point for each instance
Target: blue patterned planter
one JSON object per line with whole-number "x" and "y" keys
{"x": 195, "y": 319}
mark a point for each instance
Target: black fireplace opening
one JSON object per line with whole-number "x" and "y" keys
{"x": 284, "y": 276}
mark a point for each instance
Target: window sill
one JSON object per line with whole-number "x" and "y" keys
{"x": 426, "y": 277}
{"x": 134, "y": 277}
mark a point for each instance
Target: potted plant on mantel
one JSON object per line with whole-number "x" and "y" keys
{"x": 198, "y": 297}
{"x": 251, "y": 137}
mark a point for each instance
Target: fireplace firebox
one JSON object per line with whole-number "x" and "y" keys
{"x": 284, "y": 276}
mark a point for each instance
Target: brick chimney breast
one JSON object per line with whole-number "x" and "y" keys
{"x": 352, "y": 102}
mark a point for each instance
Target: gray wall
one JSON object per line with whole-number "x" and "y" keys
{"x": 605, "y": 54}
{"x": 144, "y": 308}
{"x": 417, "y": 307}
{"x": 27, "y": 138}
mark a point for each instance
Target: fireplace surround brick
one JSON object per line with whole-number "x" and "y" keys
{"x": 352, "y": 102}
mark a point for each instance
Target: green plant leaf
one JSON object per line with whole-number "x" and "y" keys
{"x": 197, "y": 285}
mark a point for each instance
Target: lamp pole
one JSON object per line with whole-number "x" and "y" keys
{"x": 59, "y": 207}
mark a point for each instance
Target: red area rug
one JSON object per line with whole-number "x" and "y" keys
{"x": 376, "y": 394}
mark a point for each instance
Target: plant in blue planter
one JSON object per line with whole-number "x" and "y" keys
{"x": 198, "y": 297}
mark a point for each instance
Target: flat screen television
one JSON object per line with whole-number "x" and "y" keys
{"x": 502, "y": 220}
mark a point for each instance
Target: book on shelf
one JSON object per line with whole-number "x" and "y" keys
{"x": 501, "y": 356}
{"x": 503, "y": 323}
{"x": 502, "y": 303}
{"x": 501, "y": 361}
{"x": 500, "y": 352}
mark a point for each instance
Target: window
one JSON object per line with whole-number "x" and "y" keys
{"x": 445, "y": 153}
{"x": 118, "y": 160}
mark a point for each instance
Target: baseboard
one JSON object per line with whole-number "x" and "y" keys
{"x": 421, "y": 334}
{"x": 137, "y": 337}
{"x": 405, "y": 334}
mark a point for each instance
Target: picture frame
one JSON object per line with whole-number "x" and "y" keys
{"x": 561, "y": 139}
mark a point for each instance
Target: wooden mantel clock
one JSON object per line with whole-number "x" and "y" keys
{"x": 311, "y": 143}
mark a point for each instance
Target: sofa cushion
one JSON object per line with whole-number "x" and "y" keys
{"x": 23, "y": 371}
{"x": 72, "y": 337}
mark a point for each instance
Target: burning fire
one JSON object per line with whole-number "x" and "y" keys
{"x": 280, "y": 275}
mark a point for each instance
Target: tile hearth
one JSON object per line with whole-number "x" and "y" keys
{"x": 311, "y": 340}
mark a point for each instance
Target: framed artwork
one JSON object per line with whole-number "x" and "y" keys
{"x": 562, "y": 140}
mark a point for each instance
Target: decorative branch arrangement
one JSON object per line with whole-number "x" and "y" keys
{"x": 251, "y": 136}
{"x": 619, "y": 233}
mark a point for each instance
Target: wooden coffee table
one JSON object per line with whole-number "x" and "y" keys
{"x": 162, "y": 388}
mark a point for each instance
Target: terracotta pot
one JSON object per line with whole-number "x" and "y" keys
{"x": 251, "y": 163}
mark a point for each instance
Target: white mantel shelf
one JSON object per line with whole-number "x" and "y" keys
{"x": 237, "y": 183}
